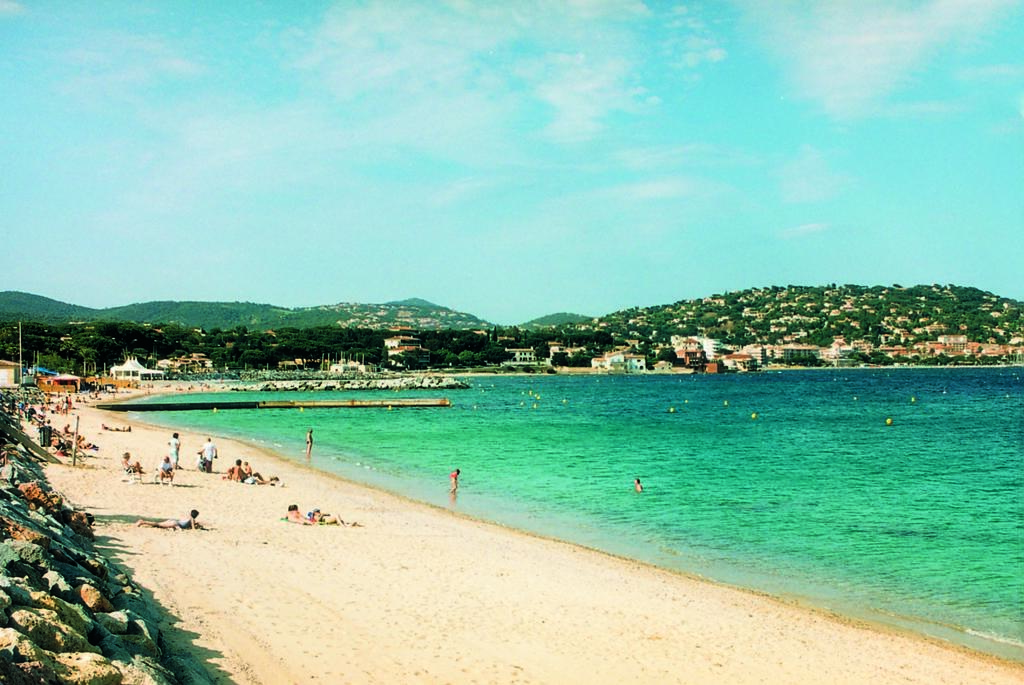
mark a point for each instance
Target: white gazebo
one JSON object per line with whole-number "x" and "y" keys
{"x": 132, "y": 370}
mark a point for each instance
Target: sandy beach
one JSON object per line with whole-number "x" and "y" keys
{"x": 417, "y": 594}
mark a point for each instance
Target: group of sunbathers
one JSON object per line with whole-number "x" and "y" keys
{"x": 242, "y": 472}
{"x": 316, "y": 518}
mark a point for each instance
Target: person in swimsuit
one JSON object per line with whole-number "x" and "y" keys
{"x": 637, "y": 485}
{"x": 128, "y": 466}
{"x": 309, "y": 444}
{"x": 454, "y": 476}
{"x": 175, "y": 524}
{"x": 295, "y": 517}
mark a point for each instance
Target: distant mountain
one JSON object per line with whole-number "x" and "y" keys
{"x": 559, "y": 319}
{"x": 416, "y": 302}
{"x": 415, "y": 313}
{"x": 18, "y": 305}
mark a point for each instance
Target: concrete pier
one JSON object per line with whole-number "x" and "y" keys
{"x": 276, "y": 404}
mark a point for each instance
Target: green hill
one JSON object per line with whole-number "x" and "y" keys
{"x": 415, "y": 313}
{"x": 817, "y": 314}
{"x": 558, "y": 319}
{"x": 19, "y": 305}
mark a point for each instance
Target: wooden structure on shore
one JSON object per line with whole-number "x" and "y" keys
{"x": 275, "y": 404}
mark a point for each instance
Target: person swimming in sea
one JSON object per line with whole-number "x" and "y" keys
{"x": 637, "y": 485}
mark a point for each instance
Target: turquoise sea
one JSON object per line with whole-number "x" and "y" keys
{"x": 790, "y": 483}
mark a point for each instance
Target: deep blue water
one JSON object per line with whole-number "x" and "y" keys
{"x": 791, "y": 483}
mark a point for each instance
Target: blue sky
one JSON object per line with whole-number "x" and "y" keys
{"x": 507, "y": 159}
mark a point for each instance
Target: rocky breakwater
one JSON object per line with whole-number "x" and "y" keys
{"x": 66, "y": 614}
{"x": 393, "y": 383}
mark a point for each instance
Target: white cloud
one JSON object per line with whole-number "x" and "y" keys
{"x": 560, "y": 68}
{"x": 809, "y": 178}
{"x": 581, "y": 93}
{"x": 689, "y": 154}
{"x": 850, "y": 56}
{"x": 991, "y": 72}
{"x": 665, "y": 188}
{"x": 9, "y": 7}
{"x": 803, "y": 230}
{"x": 115, "y": 65}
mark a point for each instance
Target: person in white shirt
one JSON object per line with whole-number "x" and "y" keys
{"x": 206, "y": 456}
{"x": 175, "y": 451}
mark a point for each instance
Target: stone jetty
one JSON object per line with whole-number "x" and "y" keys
{"x": 326, "y": 384}
{"x": 67, "y": 614}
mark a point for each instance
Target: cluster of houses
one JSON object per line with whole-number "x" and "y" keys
{"x": 697, "y": 353}
{"x": 711, "y": 355}
{"x": 692, "y": 353}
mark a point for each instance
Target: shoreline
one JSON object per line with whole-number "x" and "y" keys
{"x": 378, "y": 510}
{"x": 910, "y": 626}
{"x": 954, "y": 637}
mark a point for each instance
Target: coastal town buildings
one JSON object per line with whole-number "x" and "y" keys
{"x": 623, "y": 360}
{"x": 10, "y": 376}
{"x": 521, "y": 356}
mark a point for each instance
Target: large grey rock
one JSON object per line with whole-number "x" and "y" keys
{"x": 15, "y": 646}
{"x": 147, "y": 671}
{"x": 17, "y": 590}
{"x": 111, "y": 646}
{"x": 8, "y": 555}
{"x": 139, "y": 644}
{"x": 86, "y": 668}
{"x": 46, "y": 630}
{"x": 116, "y": 622}
{"x": 57, "y": 584}
{"x": 29, "y": 552}
{"x": 72, "y": 614}
{"x": 188, "y": 671}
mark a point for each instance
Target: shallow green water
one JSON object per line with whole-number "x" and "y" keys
{"x": 919, "y": 524}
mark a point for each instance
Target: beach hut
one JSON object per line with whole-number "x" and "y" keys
{"x": 64, "y": 382}
{"x": 9, "y": 376}
{"x": 132, "y": 370}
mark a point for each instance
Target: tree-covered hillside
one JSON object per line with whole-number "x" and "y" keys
{"x": 817, "y": 315}
{"x": 414, "y": 313}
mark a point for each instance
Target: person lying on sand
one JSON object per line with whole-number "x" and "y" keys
{"x": 125, "y": 429}
{"x": 251, "y": 478}
{"x": 295, "y": 517}
{"x": 317, "y": 518}
{"x": 174, "y": 524}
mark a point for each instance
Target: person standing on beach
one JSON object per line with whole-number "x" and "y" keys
{"x": 175, "y": 449}
{"x": 454, "y": 476}
{"x": 309, "y": 444}
{"x": 208, "y": 454}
